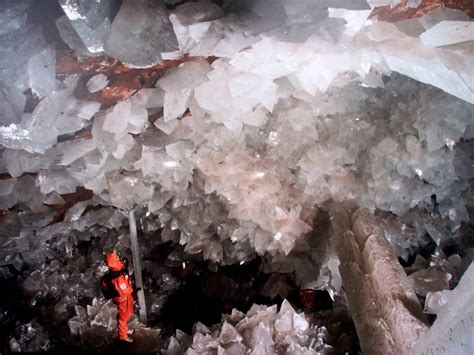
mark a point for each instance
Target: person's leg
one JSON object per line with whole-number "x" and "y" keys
{"x": 122, "y": 319}
{"x": 129, "y": 307}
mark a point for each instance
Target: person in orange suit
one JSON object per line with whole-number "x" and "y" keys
{"x": 123, "y": 297}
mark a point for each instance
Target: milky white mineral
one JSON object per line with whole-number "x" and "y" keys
{"x": 42, "y": 71}
{"x": 97, "y": 83}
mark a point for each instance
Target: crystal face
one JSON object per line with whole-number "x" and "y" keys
{"x": 89, "y": 21}
{"x": 140, "y": 32}
{"x": 235, "y": 129}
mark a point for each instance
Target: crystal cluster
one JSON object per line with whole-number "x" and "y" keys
{"x": 262, "y": 330}
{"x": 261, "y": 136}
{"x": 20, "y": 42}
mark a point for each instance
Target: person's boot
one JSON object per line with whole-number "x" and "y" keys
{"x": 128, "y": 340}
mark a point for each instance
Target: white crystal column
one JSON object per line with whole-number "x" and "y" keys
{"x": 453, "y": 330}
{"x": 137, "y": 266}
{"x": 386, "y": 310}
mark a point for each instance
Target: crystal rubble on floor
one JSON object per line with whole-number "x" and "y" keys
{"x": 140, "y": 32}
{"x": 31, "y": 337}
{"x": 65, "y": 275}
{"x": 261, "y": 330}
{"x": 90, "y": 21}
{"x": 96, "y": 324}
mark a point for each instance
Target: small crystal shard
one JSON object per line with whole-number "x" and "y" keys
{"x": 436, "y": 301}
{"x": 97, "y": 83}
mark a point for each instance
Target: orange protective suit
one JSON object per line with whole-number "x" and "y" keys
{"x": 124, "y": 302}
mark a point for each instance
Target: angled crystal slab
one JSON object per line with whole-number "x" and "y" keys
{"x": 12, "y": 104}
{"x": 42, "y": 72}
{"x": 448, "y": 32}
{"x": 140, "y": 32}
{"x": 91, "y": 20}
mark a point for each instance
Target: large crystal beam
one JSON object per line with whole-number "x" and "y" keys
{"x": 385, "y": 308}
{"x": 137, "y": 266}
{"x": 374, "y": 335}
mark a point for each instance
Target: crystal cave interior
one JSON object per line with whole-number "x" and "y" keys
{"x": 301, "y": 173}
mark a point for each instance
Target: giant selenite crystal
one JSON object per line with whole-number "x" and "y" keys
{"x": 89, "y": 20}
{"x": 386, "y": 311}
{"x": 140, "y": 32}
